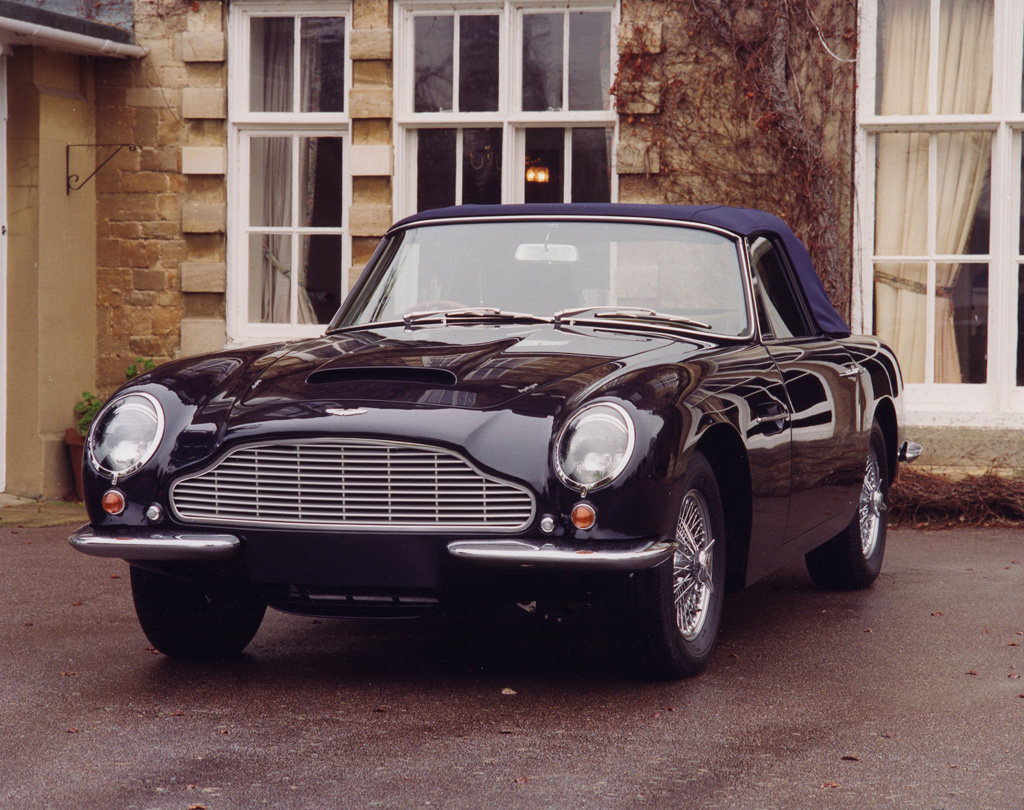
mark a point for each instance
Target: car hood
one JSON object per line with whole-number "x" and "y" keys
{"x": 475, "y": 367}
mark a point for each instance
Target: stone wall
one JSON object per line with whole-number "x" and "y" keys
{"x": 162, "y": 209}
{"x": 140, "y": 244}
{"x": 50, "y": 263}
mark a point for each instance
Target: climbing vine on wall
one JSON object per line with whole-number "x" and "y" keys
{"x": 747, "y": 102}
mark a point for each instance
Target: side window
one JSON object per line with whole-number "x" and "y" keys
{"x": 779, "y": 311}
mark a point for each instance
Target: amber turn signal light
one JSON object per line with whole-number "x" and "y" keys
{"x": 113, "y": 502}
{"x": 583, "y": 516}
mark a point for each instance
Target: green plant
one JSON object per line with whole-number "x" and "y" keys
{"x": 89, "y": 405}
{"x": 87, "y": 408}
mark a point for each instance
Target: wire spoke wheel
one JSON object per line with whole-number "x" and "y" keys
{"x": 692, "y": 584}
{"x": 853, "y": 558}
{"x": 873, "y": 508}
{"x": 668, "y": 615}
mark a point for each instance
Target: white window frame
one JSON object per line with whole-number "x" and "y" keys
{"x": 997, "y": 402}
{"x": 508, "y": 117}
{"x": 244, "y": 125}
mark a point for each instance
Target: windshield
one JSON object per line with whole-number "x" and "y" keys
{"x": 678, "y": 274}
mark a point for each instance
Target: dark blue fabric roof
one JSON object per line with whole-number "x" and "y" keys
{"x": 741, "y": 221}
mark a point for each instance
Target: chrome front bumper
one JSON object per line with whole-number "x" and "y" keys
{"x": 166, "y": 547}
{"x": 205, "y": 547}
{"x": 517, "y": 553}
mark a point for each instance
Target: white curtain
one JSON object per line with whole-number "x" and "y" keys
{"x": 277, "y": 249}
{"x": 963, "y": 159}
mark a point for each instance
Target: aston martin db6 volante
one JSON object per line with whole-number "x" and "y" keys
{"x": 635, "y": 407}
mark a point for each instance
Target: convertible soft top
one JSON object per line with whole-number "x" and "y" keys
{"x": 744, "y": 222}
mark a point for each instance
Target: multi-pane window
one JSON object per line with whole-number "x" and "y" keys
{"x": 503, "y": 102}
{"x": 289, "y": 126}
{"x": 941, "y": 122}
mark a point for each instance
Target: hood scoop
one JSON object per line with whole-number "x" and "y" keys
{"x": 433, "y": 377}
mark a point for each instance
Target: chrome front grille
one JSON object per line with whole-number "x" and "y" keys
{"x": 350, "y": 484}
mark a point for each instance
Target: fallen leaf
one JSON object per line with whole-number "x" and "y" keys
{"x": 507, "y": 691}
{"x": 72, "y": 731}
{"x": 830, "y": 785}
{"x": 197, "y": 807}
{"x": 225, "y": 731}
{"x": 851, "y": 758}
{"x": 28, "y": 624}
{"x": 381, "y": 710}
{"x": 505, "y": 731}
{"x": 1013, "y": 675}
{"x": 972, "y": 672}
{"x": 69, "y": 674}
{"x": 1011, "y": 644}
{"x": 937, "y": 613}
{"x": 869, "y": 630}
{"x": 76, "y": 604}
{"x": 115, "y": 576}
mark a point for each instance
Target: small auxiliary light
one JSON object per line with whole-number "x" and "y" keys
{"x": 583, "y": 516}
{"x": 113, "y": 502}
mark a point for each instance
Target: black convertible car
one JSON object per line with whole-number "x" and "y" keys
{"x": 635, "y": 406}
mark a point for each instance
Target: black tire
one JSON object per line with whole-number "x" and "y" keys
{"x": 665, "y": 640}
{"x": 184, "y": 619}
{"x": 853, "y": 558}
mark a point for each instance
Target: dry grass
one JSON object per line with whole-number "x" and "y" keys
{"x": 924, "y": 499}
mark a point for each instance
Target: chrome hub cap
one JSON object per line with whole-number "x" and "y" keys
{"x": 872, "y": 509}
{"x": 692, "y": 583}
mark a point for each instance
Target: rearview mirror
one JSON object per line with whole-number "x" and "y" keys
{"x": 547, "y": 253}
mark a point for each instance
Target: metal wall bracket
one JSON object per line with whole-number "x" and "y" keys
{"x": 73, "y": 182}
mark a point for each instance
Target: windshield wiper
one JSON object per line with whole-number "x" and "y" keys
{"x": 470, "y": 314}
{"x": 631, "y": 313}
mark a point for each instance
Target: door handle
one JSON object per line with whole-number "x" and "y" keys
{"x": 780, "y": 413}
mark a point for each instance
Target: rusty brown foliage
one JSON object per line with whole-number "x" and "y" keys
{"x": 924, "y": 499}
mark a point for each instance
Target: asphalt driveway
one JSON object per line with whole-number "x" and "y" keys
{"x": 907, "y": 695}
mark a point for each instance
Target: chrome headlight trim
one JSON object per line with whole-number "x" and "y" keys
{"x": 595, "y": 413}
{"x": 138, "y": 403}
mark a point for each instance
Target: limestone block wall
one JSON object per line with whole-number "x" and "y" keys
{"x": 162, "y": 209}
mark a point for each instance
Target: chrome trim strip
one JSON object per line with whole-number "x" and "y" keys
{"x": 517, "y": 553}
{"x": 165, "y": 547}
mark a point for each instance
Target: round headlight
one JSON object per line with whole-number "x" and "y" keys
{"x": 126, "y": 435}
{"x": 594, "y": 446}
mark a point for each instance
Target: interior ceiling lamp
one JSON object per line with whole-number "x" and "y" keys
{"x": 537, "y": 174}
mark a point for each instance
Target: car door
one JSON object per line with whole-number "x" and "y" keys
{"x": 829, "y": 443}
